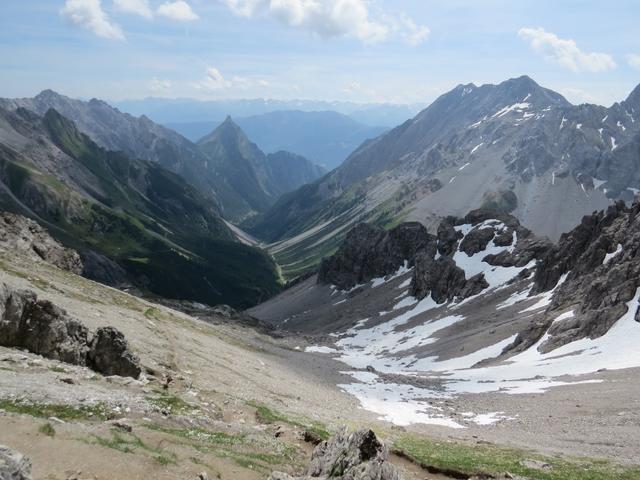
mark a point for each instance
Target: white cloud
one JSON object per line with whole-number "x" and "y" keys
{"x": 179, "y": 11}
{"x": 137, "y": 7}
{"x": 415, "y": 34}
{"x": 160, "y": 86}
{"x": 215, "y": 81}
{"x": 565, "y": 52}
{"x": 332, "y": 18}
{"x": 88, "y": 14}
{"x": 634, "y": 61}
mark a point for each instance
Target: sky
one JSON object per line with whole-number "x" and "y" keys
{"x": 367, "y": 51}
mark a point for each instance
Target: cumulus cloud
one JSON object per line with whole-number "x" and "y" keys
{"x": 137, "y": 7}
{"x": 565, "y": 52}
{"x": 332, "y": 18}
{"x": 88, "y": 14}
{"x": 179, "y": 11}
{"x": 634, "y": 61}
{"x": 215, "y": 81}
{"x": 160, "y": 86}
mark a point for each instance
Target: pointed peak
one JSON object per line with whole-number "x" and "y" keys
{"x": 227, "y": 130}
{"x": 48, "y": 93}
{"x": 634, "y": 97}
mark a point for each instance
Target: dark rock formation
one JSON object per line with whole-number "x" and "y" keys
{"x": 443, "y": 279}
{"x": 110, "y": 354}
{"x": 41, "y": 327}
{"x": 103, "y": 270}
{"x": 14, "y": 465}
{"x": 356, "y": 456}
{"x": 18, "y": 233}
{"x": 369, "y": 252}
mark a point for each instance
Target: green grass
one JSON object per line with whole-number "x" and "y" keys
{"x": 170, "y": 402}
{"x": 268, "y": 415}
{"x": 473, "y": 459}
{"x": 48, "y": 430}
{"x": 131, "y": 443}
{"x": 46, "y": 410}
{"x": 201, "y": 435}
{"x": 57, "y": 369}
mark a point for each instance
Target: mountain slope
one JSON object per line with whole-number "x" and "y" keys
{"x": 140, "y": 138}
{"x": 164, "y": 233}
{"x": 325, "y": 138}
{"x": 471, "y": 145}
{"x": 482, "y": 307}
{"x": 258, "y": 178}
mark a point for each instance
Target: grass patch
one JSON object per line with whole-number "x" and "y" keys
{"x": 58, "y": 369}
{"x": 48, "y": 430}
{"x": 63, "y": 412}
{"x": 170, "y": 402}
{"x": 201, "y": 435}
{"x": 268, "y": 415}
{"x": 473, "y": 459}
{"x": 131, "y": 443}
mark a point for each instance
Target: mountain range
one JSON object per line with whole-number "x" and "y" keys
{"x": 515, "y": 146}
{"x": 181, "y": 110}
{"x": 133, "y": 221}
{"x": 141, "y": 138}
{"x": 326, "y": 138}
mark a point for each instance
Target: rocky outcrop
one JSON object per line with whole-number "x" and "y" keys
{"x": 109, "y": 354}
{"x": 356, "y": 456}
{"x": 443, "y": 279}
{"x": 18, "y": 233}
{"x": 41, "y": 327}
{"x": 14, "y": 465}
{"x": 369, "y": 252}
{"x": 599, "y": 261}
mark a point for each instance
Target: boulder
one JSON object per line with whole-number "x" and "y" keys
{"x": 14, "y": 465}
{"x": 45, "y": 329}
{"x": 110, "y": 354}
{"x": 348, "y": 456}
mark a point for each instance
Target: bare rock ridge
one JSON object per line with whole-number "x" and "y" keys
{"x": 590, "y": 275}
{"x": 14, "y": 465}
{"x": 369, "y": 252}
{"x": 41, "y": 327}
{"x": 356, "y": 456}
{"x": 24, "y": 235}
{"x": 596, "y": 268}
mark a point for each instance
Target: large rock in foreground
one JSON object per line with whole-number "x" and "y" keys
{"x": 41, "y": 327}
{"x": 356, "y": 456}
{"x": 18, "y": 233}
{"x": 14, "y": 465}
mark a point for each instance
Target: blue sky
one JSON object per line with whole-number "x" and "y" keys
{"x": 401, "y": 51}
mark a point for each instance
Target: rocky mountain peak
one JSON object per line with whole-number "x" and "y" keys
{"x": 633, "y": 100}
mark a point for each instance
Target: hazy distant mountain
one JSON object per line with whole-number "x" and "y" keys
{"x": 171, "y": 111}
{"x": 325, "y": 138}
{"x": 515, "y": 144}
{"x": 258, "y": 178}
{"x": 139, "y": 137}
{"x": 167, "y": 236}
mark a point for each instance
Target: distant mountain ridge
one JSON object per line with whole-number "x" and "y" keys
{"x": 126, "y": 216}
{"x": 141, "y": 138}
{"x": 326, "y": 138}
{"x": 260, "y": 179}
{"x": 468, "y": 146}
{"x": 168, "y": 110}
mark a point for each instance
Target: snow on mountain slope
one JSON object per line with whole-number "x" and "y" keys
{"x": 484, "y": 307}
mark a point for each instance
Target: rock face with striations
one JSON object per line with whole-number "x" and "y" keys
{"x": 595, "y": 271}
{"x": 356, "y": 456}
{"x": 14, "y": 465}
{"x": 18, "y": 233}
{"x": 369, "y": 252}
{"x": 41, "y": 327}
